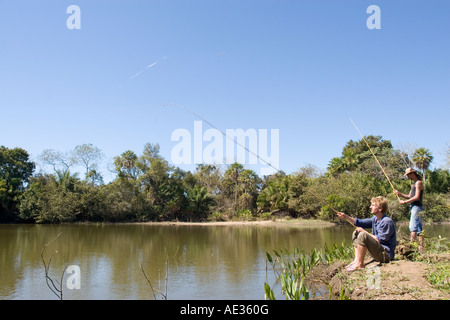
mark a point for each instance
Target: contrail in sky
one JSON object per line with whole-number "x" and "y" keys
{"x": 147, "y": 67}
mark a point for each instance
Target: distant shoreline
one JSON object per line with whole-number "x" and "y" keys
{"x": 277, "y": 222}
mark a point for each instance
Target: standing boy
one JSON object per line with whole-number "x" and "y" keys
{"x": 415, "y": 201}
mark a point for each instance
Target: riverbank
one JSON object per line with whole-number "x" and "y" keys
{"x": 414, "y": 276}
{"x": 275, "y": 222}
{"x": 321, "y": 274}
{"x": 397, "y": 280}
{"x": 280, "y": 222}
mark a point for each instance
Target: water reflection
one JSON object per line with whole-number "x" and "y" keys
{"x": 204, "y": 262}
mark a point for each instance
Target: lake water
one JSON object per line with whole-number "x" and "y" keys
{"x": 203, "y": 262}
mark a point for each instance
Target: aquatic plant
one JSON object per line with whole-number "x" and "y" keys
{"x": 292, "y": 269}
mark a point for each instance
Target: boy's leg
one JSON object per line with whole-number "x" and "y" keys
{"x": 375, "y": 249}
{"x": 360, "y": 251}
{"x": 360, "y": 254}
{"x": 415, "y": 225}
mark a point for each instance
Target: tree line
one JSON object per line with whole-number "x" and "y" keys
{"x": 147, "y": 188}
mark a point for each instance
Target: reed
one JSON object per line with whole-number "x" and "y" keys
{"x": 291, "y": 269}
{"x": 154, "y": 290}
{"x": 54, "y": 285}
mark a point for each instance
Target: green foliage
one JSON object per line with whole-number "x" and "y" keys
{"x": 275, "y": 195}
{"x": 435, "y": 254}
{"x": 356, "y": 156}
{"x": 148, "y": 188}
{"x": 438, "y": 181}
{"x": 200, "y": 203}
{"x": 293, "y": 268}
{"x": 440, "y": 277}
{"x": 422, "y": 158}
{"x": 335, "y": 252}
{"x": 51, "y": 199}
{"x": 269, "y": 292}
{"x": 239, "y": 189}
{"x": 15, "y": 171}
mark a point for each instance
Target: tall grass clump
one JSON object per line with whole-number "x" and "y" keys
{"x": 291, "y": 269}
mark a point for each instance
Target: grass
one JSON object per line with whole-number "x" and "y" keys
{"x": 292, "y": 269}
{"x": 439, "y": 278}
{"x": 439, "y": 275}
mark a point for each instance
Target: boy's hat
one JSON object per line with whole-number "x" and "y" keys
{"x": 410, "y": 170}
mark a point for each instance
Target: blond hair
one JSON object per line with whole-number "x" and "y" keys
{"x": 381, "y": 203}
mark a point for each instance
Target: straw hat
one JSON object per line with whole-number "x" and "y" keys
{"x": 411, "y": 170}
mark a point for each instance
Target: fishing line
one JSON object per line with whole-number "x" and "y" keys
{"x": 224, "y": 134}
{"x": 375, "y": 158}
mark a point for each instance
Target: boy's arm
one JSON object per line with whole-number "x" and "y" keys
{"x": 419, "y": 187}
{"x": 406, "y": 196}
{"x": 346, "y": 217}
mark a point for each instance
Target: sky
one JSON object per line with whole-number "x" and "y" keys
{"x": 122, "y": 73}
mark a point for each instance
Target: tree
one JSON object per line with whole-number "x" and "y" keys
{"x": 154, "y": 174}
{"x": 87, "y": 155}
{"x": 200, "y": 202}
{"x": 94, "y": 177}
{"x": 125, "y": 165}
{"x": 230, "y": 181}
{"x": 355, "y": 153}
{"x": 51, "y": 199}
{"x": 422, "y": 158}
{"x": 240, "y": 184}
{"x": 60, "y": 161}
{"x": 15, "y": 171}
{"x": 356, "y": 157}
{"x": 275, "y": 194}
{"x": 208, "y": 176}
{"x": 438, "y": 181}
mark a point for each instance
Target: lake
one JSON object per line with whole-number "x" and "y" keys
{"x": 203, "y": 262}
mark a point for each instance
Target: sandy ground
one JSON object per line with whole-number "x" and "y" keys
{"x": 397, "y": 280}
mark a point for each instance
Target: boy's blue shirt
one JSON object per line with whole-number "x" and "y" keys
{"x": 384, "y": 230}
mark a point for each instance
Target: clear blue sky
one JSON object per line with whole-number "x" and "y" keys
{"x": 303, "y": 67}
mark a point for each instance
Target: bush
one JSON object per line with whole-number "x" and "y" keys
{"x": 436, "y": 207}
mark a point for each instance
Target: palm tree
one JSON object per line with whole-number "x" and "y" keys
{"x": 200, "y": 202}
{"x": 422, "y": 158}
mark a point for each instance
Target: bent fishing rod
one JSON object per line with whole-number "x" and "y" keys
{"x": 223, "y": 133}
{"x": 243, "y": 146}
{"x": 382, "y": 169}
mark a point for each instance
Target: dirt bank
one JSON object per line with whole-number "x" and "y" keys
{"x": 397, "y": 280}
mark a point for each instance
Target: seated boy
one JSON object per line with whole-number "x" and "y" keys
{"x": 381, "y": 243}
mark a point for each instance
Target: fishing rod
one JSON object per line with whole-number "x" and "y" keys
{"x": 223, "y": 133}
{"x": 382, "y": 169}
{"x": 243, "y": 146}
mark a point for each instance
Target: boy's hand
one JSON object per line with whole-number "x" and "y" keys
{"x": 341, "y": 215}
